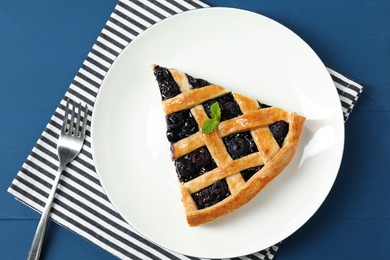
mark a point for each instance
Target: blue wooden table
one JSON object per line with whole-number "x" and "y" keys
{"x": 43, "y": 44}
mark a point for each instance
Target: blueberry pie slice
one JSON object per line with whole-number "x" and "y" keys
{"x": 225, "y": 146}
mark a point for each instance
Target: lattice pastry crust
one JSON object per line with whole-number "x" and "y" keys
{"x": 268, "y": 155}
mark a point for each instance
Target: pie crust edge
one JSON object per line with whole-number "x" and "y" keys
{"x": 258, "y": 181}
{"x": 253, "y": 186}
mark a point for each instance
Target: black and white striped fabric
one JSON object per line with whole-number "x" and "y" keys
{"x": 349, "y": 91}
{"x": 80, "y": 204}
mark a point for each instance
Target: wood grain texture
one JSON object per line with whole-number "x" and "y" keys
{"x": 43, "y": 44}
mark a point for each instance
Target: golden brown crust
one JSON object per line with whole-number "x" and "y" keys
{"x": 266, "y": 143}
{"x": 192, "y": 98}
{"x": 270, "y": 156}
{"x": 256, "y": 183}
{"x": 228, "y": 169}
{"x": 187, "y": 145}
{"x": 181, "y": 79}
{"x": 251, "y": 120}
{"x": 213, "y": 141}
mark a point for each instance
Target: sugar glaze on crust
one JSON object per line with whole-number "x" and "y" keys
{"x": 271, "y": 156}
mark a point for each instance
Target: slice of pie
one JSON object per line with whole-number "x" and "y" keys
{"x": 226, "y": 147}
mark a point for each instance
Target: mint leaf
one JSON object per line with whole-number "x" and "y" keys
{"x": 209, "y": 125}
{"x": 215, "y": 111}
{"x": 215, "y": 124}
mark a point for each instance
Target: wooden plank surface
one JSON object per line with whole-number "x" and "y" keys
{"x": 43, "y": 44}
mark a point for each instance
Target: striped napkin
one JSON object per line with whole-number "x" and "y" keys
{"x": 81, "y": 204}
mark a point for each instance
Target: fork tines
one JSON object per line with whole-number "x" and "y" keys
{"x": 72, "y": 125}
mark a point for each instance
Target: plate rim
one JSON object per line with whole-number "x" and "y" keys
{"x": 206, "y": 9}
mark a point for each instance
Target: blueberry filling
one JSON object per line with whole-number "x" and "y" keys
{"x": 197, "y": 83}
{"x": 240, "y": 144}
{"x": 211, "y": 195}
{"x": 279, "y": 130}
{"x": 228, "y": 105}
{"x": 262, "y": 105}
{"x": 201, "y": 157}
{"x": 194, "y": 164}
{"x": 168, "y": 86}
{"x": 248, "y": 173}
{"x": 180, "y": 125}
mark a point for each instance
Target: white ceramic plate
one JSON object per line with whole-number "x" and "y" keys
{"x": 244, "y": 52}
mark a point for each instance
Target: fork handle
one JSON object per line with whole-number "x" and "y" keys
{"x": 36, "y": 246}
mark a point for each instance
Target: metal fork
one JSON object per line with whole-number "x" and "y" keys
{"x": 69, "y": 146}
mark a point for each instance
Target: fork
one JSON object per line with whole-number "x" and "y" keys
{"x": 69, "y": 145}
